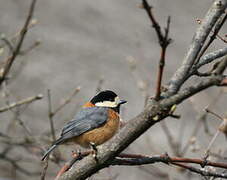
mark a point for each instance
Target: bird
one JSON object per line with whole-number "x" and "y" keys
{"x": 97, "y": 122}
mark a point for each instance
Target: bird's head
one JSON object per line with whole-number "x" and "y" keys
{"x": 107, "y": 98}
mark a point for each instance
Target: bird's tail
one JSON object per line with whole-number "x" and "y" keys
{"x": 48, "y": 151}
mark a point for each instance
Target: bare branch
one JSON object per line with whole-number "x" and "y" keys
{"x": 171, "y": 141}
{"x": 66, "y": 101}
{"x": 200, "y": 120}
{"x": 212, "y": 16}
{"x": 164, "y": 44}
{"x": 8, "y": 43}
{"x": 202, "y": 171}
{"x": 50, "y": 115}
{"x": 208, "y": 58}
{"x": 34, "y": 45}
{"x": 19, "y": 103}
{"x": 16, "y": 165}
{"x": 138, "y": 159}
{"x": 217, "y": 28}
{"x": 213, "y": 113}
{"x": 155, "y": 24}
{"x": 43, "y": 173}
{"x": 23, "y": 32}
{"x": 207, "y": 151}
{"x": 164, "y": 41}
{"x": 135, "y": 160}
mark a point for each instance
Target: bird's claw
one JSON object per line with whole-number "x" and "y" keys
{"x": 94, "y": 151}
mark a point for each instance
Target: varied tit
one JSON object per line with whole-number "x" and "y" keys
{"x": 95, "y": 124}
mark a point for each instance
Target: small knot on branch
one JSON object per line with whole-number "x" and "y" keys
{"x": 166, "y": 158}
{"x": 205, "y": 161}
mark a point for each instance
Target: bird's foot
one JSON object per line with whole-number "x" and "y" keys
{"x": 76, "y": 154}
{"x": 94, "y": 151}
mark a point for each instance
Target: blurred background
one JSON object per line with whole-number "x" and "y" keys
{"x": 101, "y": 45}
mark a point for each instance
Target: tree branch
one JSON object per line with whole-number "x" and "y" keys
{"x": 15, "y": 53}
{"x": 217, "y": 9}
{"x": 217, "y": 28}
{"x": 164, "y": 41}
{"x": 208, "y": 58}
{"x": 19, "y": 103}
{"x": 142, "y": 160}
{"x": 202, "y": 171}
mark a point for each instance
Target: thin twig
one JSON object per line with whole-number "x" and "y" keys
{"x": 218, "y": 36}
{"x": 210, "y": 57}
{"x": 213, "y": 113}
{"x": 138, "y": 159}
{"x": 32, "y": 23}
{"x": 171, "y": 141}
{"x": 23, "y": 32}
{"x": 164, "y": 41}
{"x": 181, "y": 75}
{"x": 43, "y": 173}
{"x": 8, "y": 43}
{"x": 34, "y": 45}
{"x": 17, "y": 117}
{"x": 221, "y": 38}
{"x": 50, "y": 115}
{"x": 215, "y": 135}
{"x": 212, "y": 38}
{"x": 17, "y": 166}
{"x": 200, "y": 120}
{"x": 207, "y": 151}
{"x": 21, "y": 102}
{"x": 68, "y": 165}
{"x": 201, "y": 171}
{"x": 66, "y": 101}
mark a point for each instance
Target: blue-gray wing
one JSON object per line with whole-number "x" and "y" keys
{"x": 86, "y": 120}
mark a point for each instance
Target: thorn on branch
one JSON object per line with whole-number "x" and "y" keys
{"x": 8, "y": 43}
{"x": 205, "y": 161}
{"x": 167, "y": 159}
{"x": 34, "y": 45}
{"x": 213, "y": 113}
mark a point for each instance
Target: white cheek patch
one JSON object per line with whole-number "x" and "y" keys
{"x": 112, "y": 104}
{"x": 106, "y": 104}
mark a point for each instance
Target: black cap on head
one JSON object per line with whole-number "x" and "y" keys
{"x": 106, "y": 95}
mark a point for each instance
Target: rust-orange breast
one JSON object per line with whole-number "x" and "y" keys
{"x": 100, "y": 134}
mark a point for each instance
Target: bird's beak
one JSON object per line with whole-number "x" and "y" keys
{"x": 122, "y": 102}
